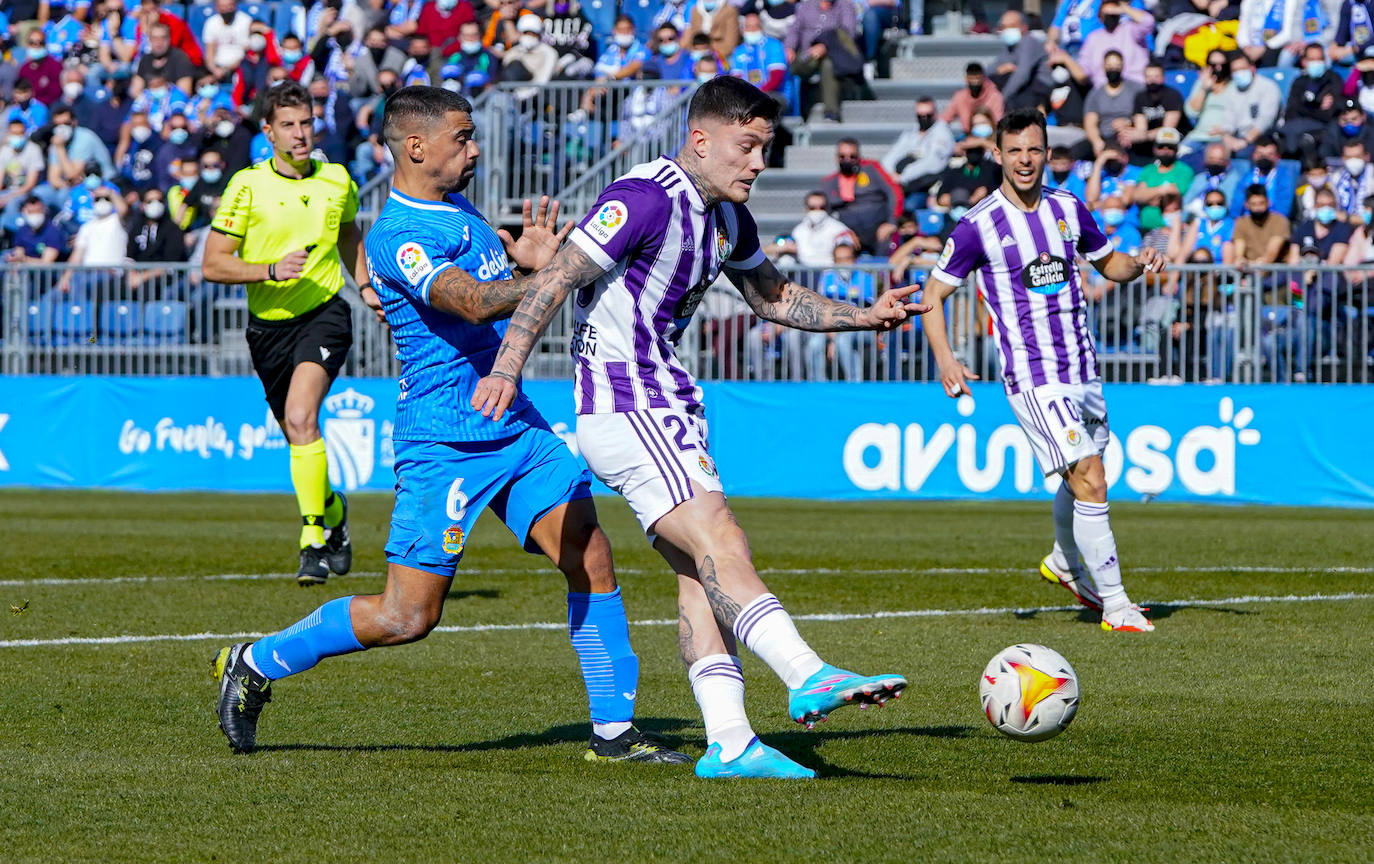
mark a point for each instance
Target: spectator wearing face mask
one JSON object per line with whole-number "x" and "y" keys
{"x": 1111, "y": 175}
{"x": 980, "y": 174}
{"x": 622, "y": 57}
{"x": 101, "y": 241}
{"x": 529, "y": 59}
{"x": 1021, "y": 68}
{"x": 501, "y": 33}
{"x": 78, "y": 199}
{"x": 813, "y": 239}
{"x": 441, "y": 20}
{"x": 1124, "y": 32}
{"x": 209, "y": 97}
{"x": 21, "y": 162}
{"x": 845, "y": 284}
{"x": 376, "y": 54}
{"x": 473, "y": 69}
{"x": 72, "y": 148}
{"x": 667, "y": 60}
{"x": 1219, "y": 173}
{"x": 37, "y": 240}
{"x": 176, "y": 148}
{"x": 1313, "y": 103}
{"x": 180, "y": 205}
{"x": 1359, "y": 83}
{"x": 1109, "y": 112}
{"x": 30, "y": 111}
{"x": 862, "y": 196}
{"x": 1165, "y": 176}
{"x": 1205, "y": 106}
{"x": 202, "y": 199}
{"x": 83, "y": 104}
{"x": 922, "y": 153}
{"x": 226, "y": 36}
{"x": 1351, "y": 124}
{"x": 41, "y": 69}
{"x": 1316, "y": 176}
{"x": 1064, "y": 106}
{"x": 169, "y": 63}
{"x": 371, "y": 154}
{"x": 260, "y": 67}
{"x": 719, "y": 20}
{"x": 135, "y": 155}
{"x": 1252, "y": 106}
{"x": 1278, "y": 176}
{"x": 1118, "y": 226}
{"x": 153, "y": 238}
{"x": 1355, "y": 180}
{"x": 1213, "y": 231}
{"x": 977, "y": 93}
{"x": 1260, "y": 237}
{"x": 1157, "y": 107}
{"x": 1114, "y": 217}
{"x": 160, "y": 101}
{"x": 1061, "y": 172}
{"x": 299, "y": 64}
{"x": 231, "y": 140}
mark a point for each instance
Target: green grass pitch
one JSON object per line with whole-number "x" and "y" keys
{"x": 1238, "y": 731}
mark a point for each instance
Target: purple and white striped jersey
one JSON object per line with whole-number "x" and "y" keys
{"x": 1030, "y": 283}
{"x": 661, "y": 247}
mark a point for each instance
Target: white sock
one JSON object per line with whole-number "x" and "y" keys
{"x": 610, "y": 731}
{"x": 768, "y": 630}
{"x": 1093, "y": 533}
{"x": 718, "y": 685}
{"x": 1064, "y": 545}
{"x": 248, "y": 658}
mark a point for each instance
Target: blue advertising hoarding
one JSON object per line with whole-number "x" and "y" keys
{"x": 1295, "y": 445}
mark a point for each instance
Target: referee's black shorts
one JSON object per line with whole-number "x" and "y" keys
{"x": 323, "y": 335}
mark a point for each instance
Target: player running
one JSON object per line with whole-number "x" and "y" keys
{"x": 285, "y": 229}
{"x": 444, "y": 280}
{"x": 1022, "y": 239}
{"x": 640, "y": 262}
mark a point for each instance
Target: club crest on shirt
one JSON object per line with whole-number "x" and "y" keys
{"x": 723, "y": 245}
{"x": 608, "y": 221}
{"x": 1064, "y": 230}
{"x": 708, "y": 465}
{"x": 946, "y": 254}
{"x": 414, "y": 263}
{"x": 1047, "y": 274}
{"x": 1073, "y": 437}
{"x": 454, "y": 539}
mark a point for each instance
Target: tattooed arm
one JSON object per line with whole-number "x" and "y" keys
{"x": 457, "y": 293}
{"x": 571, "y": 269}
{"x": 774, "y": 298}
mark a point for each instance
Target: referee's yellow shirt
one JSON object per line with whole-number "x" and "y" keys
{"x": 273, "y": 215}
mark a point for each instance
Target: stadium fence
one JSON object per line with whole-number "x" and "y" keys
{"x": 1190, "y": 323}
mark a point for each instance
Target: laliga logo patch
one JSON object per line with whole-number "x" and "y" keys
{"x": 1047, "y": 274}
{"x": 608, "y": 221}
{"x": 946, "y": 255}
{"x": 414, "y": 263}
{"x": 454, "y": 539}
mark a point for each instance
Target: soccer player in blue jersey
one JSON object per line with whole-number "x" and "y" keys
{"x": 446, "y": 287}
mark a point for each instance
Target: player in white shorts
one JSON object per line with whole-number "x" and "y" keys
{"x": 1022, "y": 240}
{"x": 640, "y": 263}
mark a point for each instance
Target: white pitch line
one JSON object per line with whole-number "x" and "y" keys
{"x": 664, "y": 622}
{"x": 765, "y": 571}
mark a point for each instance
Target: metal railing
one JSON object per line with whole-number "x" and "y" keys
{"x": 570, "y": 139}
{"x": 1188, "y": 324}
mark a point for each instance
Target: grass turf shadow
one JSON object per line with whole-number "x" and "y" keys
{"x": 1057, "y": 779}
{"x": 801, "y": 747}
{"x": 464, "y": 594}
{"x": 566, "y": 733}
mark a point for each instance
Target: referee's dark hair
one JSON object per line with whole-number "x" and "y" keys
{"x": 428, "y": 105}
{"x": 732, "y": 100}
{"x": 1019, "y": 121}
{"x": 288, "y": 94}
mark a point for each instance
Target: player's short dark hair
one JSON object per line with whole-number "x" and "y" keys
{"x": 974, "y": 68}
{"x": 732, "y": 100}
{"x": 416, "y": 103}
{"x": 626, "y": 19}
{"x": 1019, "y": 121}
{"x": 23, "y": 84}
{"x": 1256, "y": 189}
{"x": 1061, "y": 152}
{"x": 288, "y": 94}
{"x": 1267, "y": 140}
{"x": 1312, "y": 161}
{"x": 1115, "y": 53}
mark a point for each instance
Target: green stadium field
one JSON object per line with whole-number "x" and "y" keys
{"x": 1238, "y": 731}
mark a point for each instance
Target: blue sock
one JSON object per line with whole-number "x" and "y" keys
{"x": 326, "y": 632}
{"x": 610, "y": 670}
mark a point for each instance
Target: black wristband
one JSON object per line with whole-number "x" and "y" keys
{"x": 272, "y": 272}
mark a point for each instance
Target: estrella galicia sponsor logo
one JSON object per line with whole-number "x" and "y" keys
{"x": 1047, "y": 274}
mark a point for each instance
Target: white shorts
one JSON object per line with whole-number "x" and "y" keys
{"x": 650, "y": 457}
{"x": 1064, "y": 422}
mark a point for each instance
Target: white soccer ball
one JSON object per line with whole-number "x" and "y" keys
{"x": 1029, "y": 692}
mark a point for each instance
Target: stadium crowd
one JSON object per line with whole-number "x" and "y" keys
{"x": 1218, "y": 132}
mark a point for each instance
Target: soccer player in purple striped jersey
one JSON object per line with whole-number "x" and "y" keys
{"x": 639, "y": 263}
{"x": 1022, "y": 240}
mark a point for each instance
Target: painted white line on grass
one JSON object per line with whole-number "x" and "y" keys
{"x": 766, "y": 571}
{"x": 663, "y": 622}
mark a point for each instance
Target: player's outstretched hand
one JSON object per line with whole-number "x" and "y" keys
{"x": 1150, "y": 260}
{"x": 894, "y": 307}
{"x": 494, "y": 394}
{"x": 373, "y": 302}
{"x": 292, "y": 266}
{"x": 953, "y": 375}
{"x": 539, "y": 239}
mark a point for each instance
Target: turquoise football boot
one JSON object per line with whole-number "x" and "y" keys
{"x": 757, "y": 760}
{"x": 832, "y": 687}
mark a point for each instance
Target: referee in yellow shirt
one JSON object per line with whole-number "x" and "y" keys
{"x": 285, "y": 229}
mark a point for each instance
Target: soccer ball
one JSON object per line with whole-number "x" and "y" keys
{"x": 1029, "y": 692}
